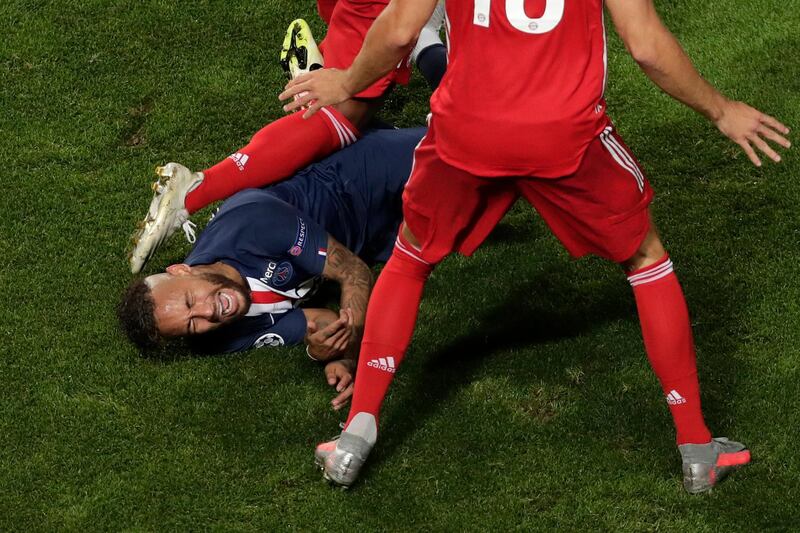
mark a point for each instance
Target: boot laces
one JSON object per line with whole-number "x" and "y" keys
{"x": 189, "y": 231}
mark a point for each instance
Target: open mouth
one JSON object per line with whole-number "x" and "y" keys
{"x": 226, "y": 304}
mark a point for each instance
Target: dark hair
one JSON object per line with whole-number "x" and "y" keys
{"x": 136, "y": 316}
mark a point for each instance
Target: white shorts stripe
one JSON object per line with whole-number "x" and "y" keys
{"x": 628, "y": 157}
{"x": 618, "y": 157}
{"x": 622, "y": 162}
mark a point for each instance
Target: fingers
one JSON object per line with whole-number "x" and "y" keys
{"x": 341, "y": 400}
{"x": 333, "y": 341}
{"x": 313, "y": 108}
{"x": 765, "y": 148}
{"x": 344, "y": 380}
{"x": 774, "y": 123}
{"x": 291, "y": 88}
{"x": 775, "y": 137}
{"x": 330, "y": 374}
{"x": 331, "y": 329}
{"x": 343, "y": 341}
{"x": 299, "y": 102}
{"x": 750, "y": 152}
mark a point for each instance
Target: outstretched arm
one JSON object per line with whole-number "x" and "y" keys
{"x": 389, "y": 41}
{"x": 660, "y": 56}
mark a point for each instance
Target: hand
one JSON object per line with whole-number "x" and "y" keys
{"x": 331, "y": 341}
{"x": 748, "y": 127}
{"x": 316, "y": 90}
{"x": 340, "y": 375}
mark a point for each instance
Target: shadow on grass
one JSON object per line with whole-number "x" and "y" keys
{"x": 513, "y": 324}
{"x": 518, "y": 323}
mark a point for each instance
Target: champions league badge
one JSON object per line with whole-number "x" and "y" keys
{"x": 270, "y": 339}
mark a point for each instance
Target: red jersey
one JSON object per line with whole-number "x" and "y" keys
{"x": 523, "y": 92}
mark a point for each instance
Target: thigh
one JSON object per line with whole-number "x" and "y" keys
{"x": 448, "y": 209}
{"x": 349, "y": 23}
{"x": 602, "y": 208}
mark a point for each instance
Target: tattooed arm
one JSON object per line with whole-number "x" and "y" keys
{"x": 355, "y": 279}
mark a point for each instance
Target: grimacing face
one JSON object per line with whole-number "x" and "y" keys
{"x": 191, "y": 303}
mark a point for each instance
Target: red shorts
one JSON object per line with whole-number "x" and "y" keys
{"x": 348, "y": 25}
{"x": 600, "y": 209}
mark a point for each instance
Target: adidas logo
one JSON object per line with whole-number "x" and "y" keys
{"x": 673, "y": 398}
{"x": 381, "y": 363}
{"x": 240, "y": 159}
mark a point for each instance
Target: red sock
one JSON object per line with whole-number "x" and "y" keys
{"x": 391, "y": 316}
{"x": 277, "y": 151}
{"x": 670, "y": 348}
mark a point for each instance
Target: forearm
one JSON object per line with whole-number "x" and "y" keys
{"x": 668, "y": 66}
{"x": 354, "y": 278}
{"x": 356, "y": 287}
{"x": 661, "y": 57}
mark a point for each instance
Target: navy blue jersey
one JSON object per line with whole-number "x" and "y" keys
{"x": 276, "y": 237}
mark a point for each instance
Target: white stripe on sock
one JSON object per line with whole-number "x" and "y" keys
{"x": 660, "y": 268}
{"x": 336, "y": 126}
{"x": 652, "y": 279}
{"x": 399, "y": 245}
{"x": 349, "y": 132}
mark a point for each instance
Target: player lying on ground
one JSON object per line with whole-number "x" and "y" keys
{"x": 548, "y": 126}
{"x": 266, "y": 251}
{"x": 290, "y": 143}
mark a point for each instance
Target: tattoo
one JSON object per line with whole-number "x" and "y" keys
{"x": 353, "y": 275}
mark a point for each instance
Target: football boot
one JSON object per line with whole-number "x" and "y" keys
{"x": 166, "y": 214}
{"x": 342, "y": 458}
{"x": 705, "y": 465}
{"x": 300, "y": 53}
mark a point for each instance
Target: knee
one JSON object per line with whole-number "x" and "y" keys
{"x": 407, "y": 258}
{"x": 650, "y": 251}
{"x": 409, "y": 237}
{"x": 358, "y": 112}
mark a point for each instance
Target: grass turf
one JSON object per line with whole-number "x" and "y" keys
{"x": 526, "y": 401}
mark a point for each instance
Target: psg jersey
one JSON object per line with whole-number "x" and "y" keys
{"x": 277, "y": 237}
{"x": 523, "y": 92}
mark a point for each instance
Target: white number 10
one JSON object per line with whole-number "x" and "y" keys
{"x": 515, "y": 11}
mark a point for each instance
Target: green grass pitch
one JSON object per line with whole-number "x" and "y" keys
{"x": 526, "y": 401}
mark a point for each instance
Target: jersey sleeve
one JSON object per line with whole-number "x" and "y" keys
{"x": 267, "y": 330}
